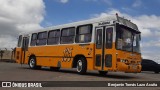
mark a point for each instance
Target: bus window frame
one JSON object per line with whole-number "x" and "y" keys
{"x": 77, "y": 33}
{"x": 38, "y": 40}
{"x": 54, "y": 37}
{"x": 99, "y": 45}
{"x": 131, "y": 30}
{"x": 33, "y": 39}
{"x": 109, "y": 45}
{"x": 61, "y": 36}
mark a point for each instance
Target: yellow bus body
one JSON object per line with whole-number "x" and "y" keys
{"x": 64, "y": 56}
{"x": 50, "y": 55}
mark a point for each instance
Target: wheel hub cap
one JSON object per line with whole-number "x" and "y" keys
{"x": 32, "y": 63}
{"x": 79, "y": 65}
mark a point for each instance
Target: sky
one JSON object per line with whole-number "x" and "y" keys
{"x": 23, "y": 16}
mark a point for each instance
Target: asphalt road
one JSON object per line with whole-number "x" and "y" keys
{"x": 16, "y": 72}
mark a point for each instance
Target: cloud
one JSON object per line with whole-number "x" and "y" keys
{"x": 153, "y": 55}
{"x": 137, "y": 3}
{"x": 108, "y": 2}
{"x": 152, "y": 43}
{"x": 149, "y": 25}
{"x": 18, "y": 16}
{"x": 62, "y": 1}
{"x": 7, "y": 41}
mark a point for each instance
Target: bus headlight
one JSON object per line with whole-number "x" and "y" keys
{"x": 122, "y": 60}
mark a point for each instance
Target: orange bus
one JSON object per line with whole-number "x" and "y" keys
{"x": 104, "y": 44}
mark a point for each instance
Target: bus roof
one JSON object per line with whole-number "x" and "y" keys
{"x": 107, "y": 18}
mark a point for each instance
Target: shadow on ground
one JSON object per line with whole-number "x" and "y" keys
{"x": 90, "y": 73}
{"x": 149, "y": 72}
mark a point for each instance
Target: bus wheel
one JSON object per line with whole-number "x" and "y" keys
{"x": 81, "y": 65}
{"x": 103, "y": 73}
{"x": 54, "y": 68}
{"x": 32, "y": 63}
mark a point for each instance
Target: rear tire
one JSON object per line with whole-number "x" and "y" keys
{"x": 33, "y": 64}
{"x": 103, "y": 73}
{"x": 81, "y": 65}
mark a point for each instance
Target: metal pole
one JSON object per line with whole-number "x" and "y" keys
{"x": 0, "y": 54}
{"x": 12, "y": 53}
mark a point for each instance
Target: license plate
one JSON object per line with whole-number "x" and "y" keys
{"x": 134, "y": 66}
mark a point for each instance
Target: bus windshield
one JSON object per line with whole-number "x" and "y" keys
{"x": 127, "y": 40}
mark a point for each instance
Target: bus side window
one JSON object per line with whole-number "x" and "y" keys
{"x": 84, "y": 34}
{"x": 42, "y": 38}
{"x": 33, "y": 39}
{"x": 25, "y": 43}
{"x": 53, "y": 37}
{"x": 68, "y": 35}
{"x": 109, "y": 37}
{"x": 19, "y": 41}
{"x": 99, "y": 39}
{"x": 119, "y": 40}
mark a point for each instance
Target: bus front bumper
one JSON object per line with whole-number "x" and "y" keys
{"x": 130, "y": 68}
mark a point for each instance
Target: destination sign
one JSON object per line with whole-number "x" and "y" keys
{"x": 103, "y": 23}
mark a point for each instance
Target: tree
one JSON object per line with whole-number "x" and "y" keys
{"x": 1, "y": 53}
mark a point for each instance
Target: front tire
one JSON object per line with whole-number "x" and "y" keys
{"x": 81, "y": 65}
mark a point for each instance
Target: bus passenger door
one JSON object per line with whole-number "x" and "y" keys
{"x": 108, "y": 49}
{"x": 103, "y": 48}
{"x": 98, "y": 48}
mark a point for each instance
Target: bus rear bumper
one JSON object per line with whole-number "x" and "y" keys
{"x": 131, "y": 68}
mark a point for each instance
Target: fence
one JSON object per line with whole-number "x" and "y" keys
{"x": 7, "y": 54}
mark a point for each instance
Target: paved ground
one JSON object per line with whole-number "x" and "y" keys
{"x": 16, "y": 72}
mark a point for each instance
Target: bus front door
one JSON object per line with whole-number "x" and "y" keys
{"x": 103, "y": 48}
